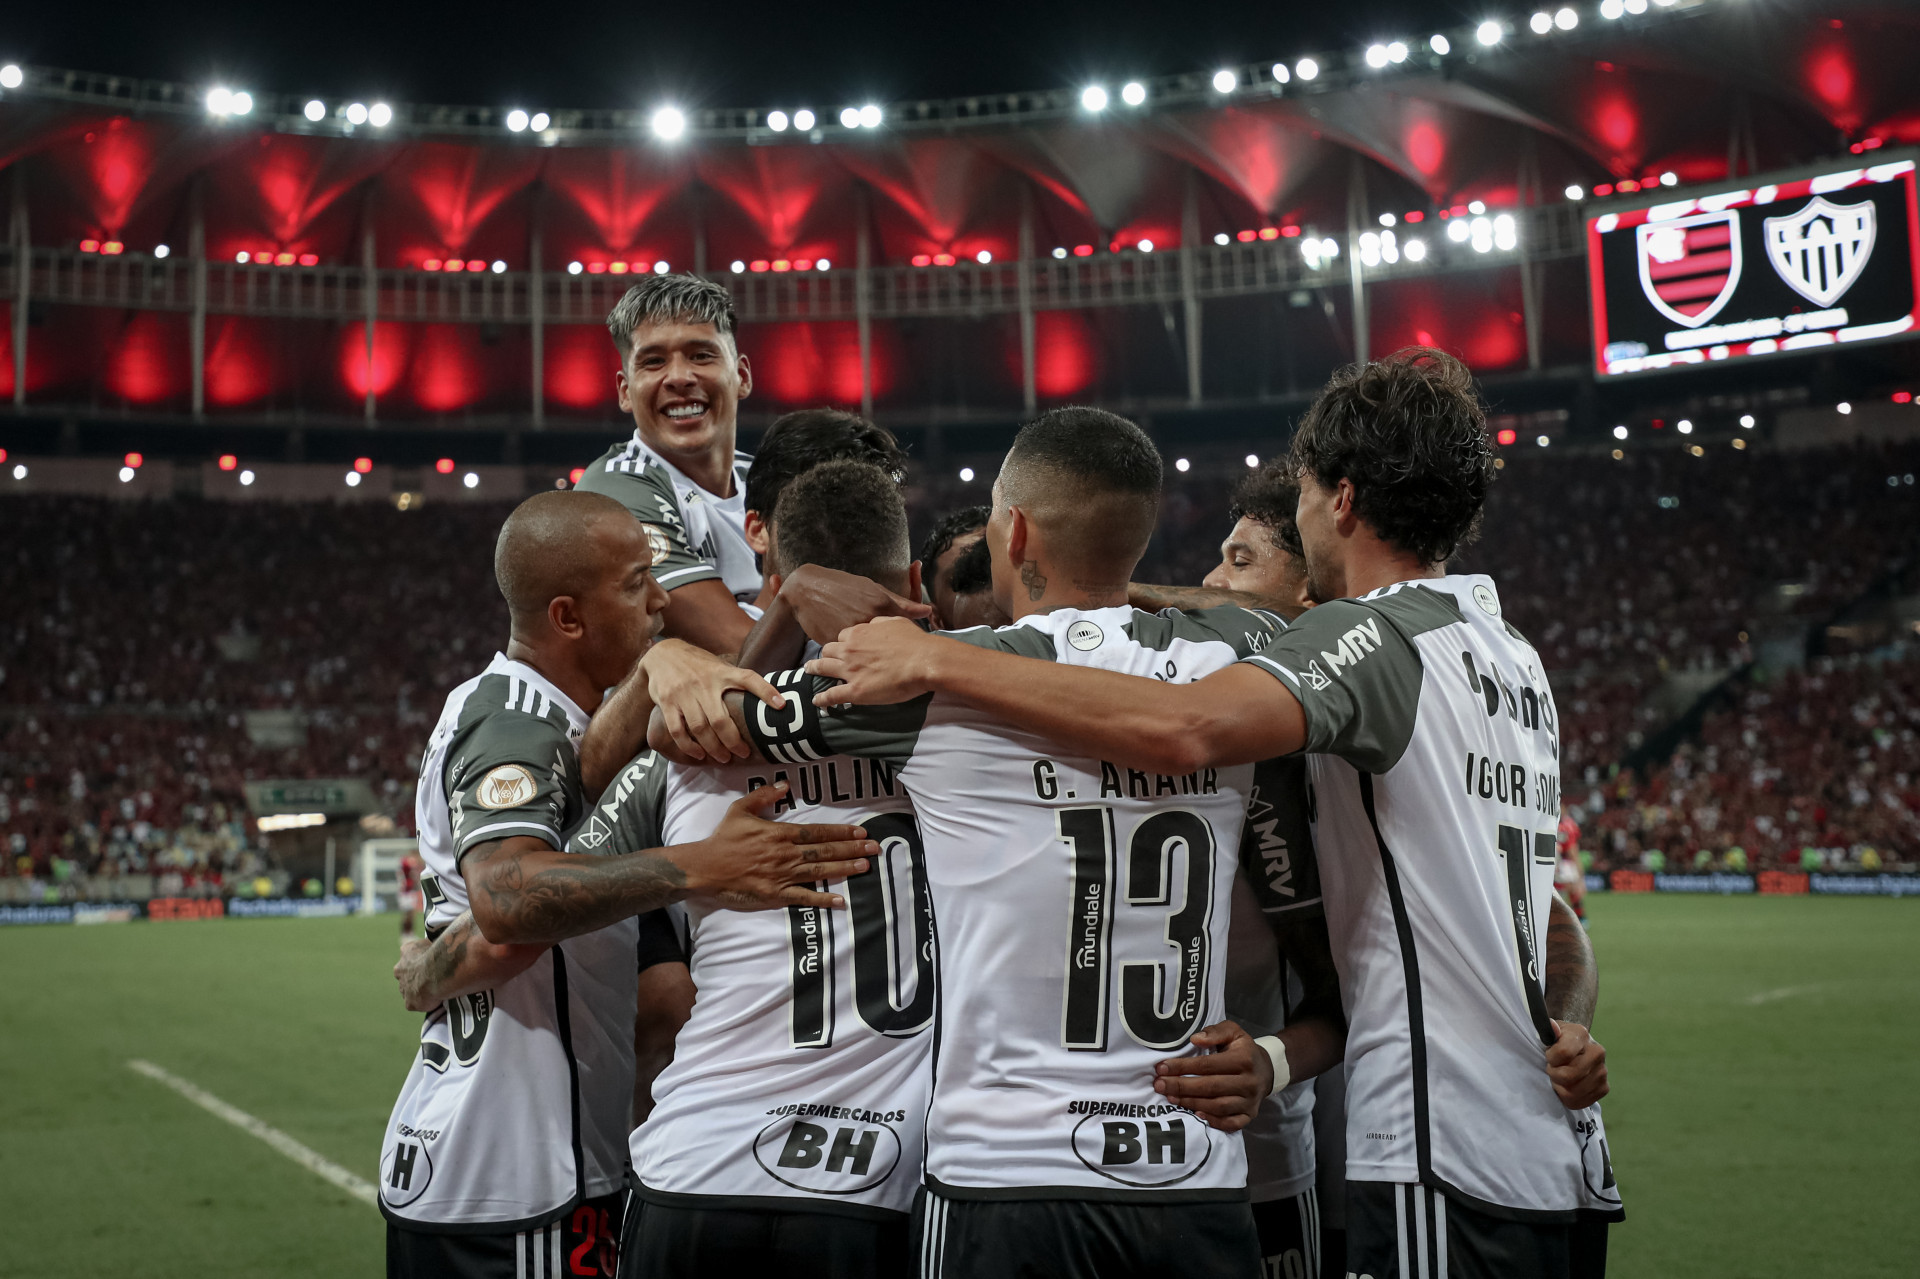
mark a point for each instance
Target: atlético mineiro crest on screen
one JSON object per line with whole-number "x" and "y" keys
{"x": 1821, "y": 250}
{"x": 1690, "y": 267}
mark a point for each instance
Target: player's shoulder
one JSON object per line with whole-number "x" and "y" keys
{"x": 628, "y": 814}
{"x": 1418, "y": 607}
{"x": 1246, "y": 630}
{"x": 509, "y": 699}
{"x": 631, "y": 473}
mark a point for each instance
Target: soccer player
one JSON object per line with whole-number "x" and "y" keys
{"x": 506, "y": 1148}
{"x": 970, "y": 591}
{"x": 682, "y": 378}
{"x": 1082, "y": 908}
{"x": 1262, "y": 556}
{"x": 1475, "y": 1142}
{"x": 794, "y": 444}
{"x": 786, "y": 1137}
{"x": 956, "y": 533}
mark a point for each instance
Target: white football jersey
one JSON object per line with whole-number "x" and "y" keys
{"x": 518, "y": 1103}
{"x": 1082, "y": 916}
{"x": 1435, "y": 770}
{"x": 696, "y": 536}
{"x": 800, "y": 1081}
{"x": 1279, "y": 1141}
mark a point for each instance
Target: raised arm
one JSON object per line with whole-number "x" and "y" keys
{"x": 1235, "y": 716}
{"x": 524, "y": 891}
{"x": 457, "y": 962}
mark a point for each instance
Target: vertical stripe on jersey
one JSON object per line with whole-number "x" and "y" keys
{"x": 554, "y": 1242}
{"x": 1410, "y": 963}
{"x": 1440, "y": 1235}
{"x": 1421, "y": 1197}
{"x": 1400, "y": 1227}
{"x": 563, "y": 1021}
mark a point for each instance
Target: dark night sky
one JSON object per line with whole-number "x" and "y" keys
{"x": 598, "y": 54}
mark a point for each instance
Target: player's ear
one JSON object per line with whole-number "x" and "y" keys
{"x": 757, "y": 530}
{"x": 621, "y": 390}
{"x": 915, "y": 590}
{"x": 563, "y": 615}
{"x": 1018, "y": 533}
{"x": 1344, "y": 517}
{"x": 745, "y": 371}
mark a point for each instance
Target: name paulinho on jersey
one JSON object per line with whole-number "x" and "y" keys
{"x": 1434, "y": 757}
{"x": 695, "y": 536}
{"x": 1082, "y": 912}
{"x": 517, "y": 1104}
{"x": 800, "y": 1080}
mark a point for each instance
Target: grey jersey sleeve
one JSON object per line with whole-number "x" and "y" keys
{"x": 802, "y": 731}
{"x": 630, "y": 814}
{"x": 1356, "y": 675}
{"x": 511, "y": 773}
{"x": 1276, "y": 845}
{"x": 649, "y": 494}
{"x": 1246, "y": 630}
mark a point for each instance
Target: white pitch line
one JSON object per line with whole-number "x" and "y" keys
{"x": 325, "y": 1169}
{"x": 1784, "y": 992}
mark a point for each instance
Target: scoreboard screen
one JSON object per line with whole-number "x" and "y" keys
{"x": 1779, "y": 266}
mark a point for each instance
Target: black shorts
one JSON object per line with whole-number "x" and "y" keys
{"x": 1082, "y": 1239}
{"x": 1410, "y": 1232}
{"x": 1289, "y": 1232}
{"x": 663, "y": 1241}
{"x": 584, "y": 1241}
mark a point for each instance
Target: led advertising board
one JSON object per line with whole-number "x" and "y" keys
{"x": 1778, "y": 266}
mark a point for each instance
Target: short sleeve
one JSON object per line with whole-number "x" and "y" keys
{"x": 1276, "y": 846}
{"x": 803, "y": 731}
{"x": 649, "y": 495}
{"x": 512, "y": 774}
{"x": 628, "y": 816}
{"x": 1357, "y": 677}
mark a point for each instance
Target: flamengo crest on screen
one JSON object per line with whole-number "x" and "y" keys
{"x": 1821, "y": 250}
{"x": 1689, "y": 267}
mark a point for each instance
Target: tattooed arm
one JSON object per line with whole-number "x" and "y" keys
{"x": 1576, "y": 1061}
{"x": 1186, "y": 598}
{"x": 524, "y": 891}
{"x": 458, "y": 962}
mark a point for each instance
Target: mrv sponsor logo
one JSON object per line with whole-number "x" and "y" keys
{"x": 1140, "y": 1145}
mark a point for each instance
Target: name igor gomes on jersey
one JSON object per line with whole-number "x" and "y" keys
{"x": 1435, "y": 765}
{"x": 518, "y": 1102}
{"x": 800, "y": 1081}
{"x": 1082, "y": 912}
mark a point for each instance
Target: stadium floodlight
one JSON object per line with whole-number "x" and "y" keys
{"x": 1376, "y": 55}
{"x": 1746, "y": 421}
{"x": 126, "y": 474}
{"x": 1280, "y": 73}
{"x": 870, "y": 116}
{"x": 1416, "y": 250}
{"x": 219, "y": 101}
{"x": 539, "y": 122}
{"x": 983, "y": 257}
{"x": 1440, "y": 45}
{"x": 1684, "y": 426}
{"x": 1506, "y": 235}
{"x": 315, "y": 110}
{"x": 1619, "y": 432}
{"x": 850, "y": 117}
{"x": 20, "y": 471}
{"x": 471, "y": 479}
{"x": 1669, "y": 179}
{"x": 12, "y": 77}
{"x": 1222, "y": 238}
{"x": 1225, "y": 81}
{"x": 669, "y": 123}
{"x": 1488, "y": 32}
{"x": 517, "y": 121}
{"x": 246, "y": 477}
{"x": 379, "y": 115}
{"x": 1182, "y": 465}
{"x": 1476, "y": 207}
{"x": 803, "y": 119}
{"x": 574, "y": 268}
{"x": 1306, "y": 68}
{"x": 1611, "y": 9}
{"x": 661, "y": 267}
{"x": 1387, "y": 219}
{"x": 1543, "y": 441}
{"x": 1575, "y": 191}
{"x": 966, "y": 475}
{"x": 242, "y": 102}
{"x": 1253, "y": 461}
{"x": 1482, "y": 235}
{"x": 1540, "y": 23}
{"x": 1329, "y": 248}
{"x": 1843, "y": 408}
{"x": 356, "y": 113}
{"x": 777, "y": 121}
{"x": 1397, "y": 52}
{"x": 499, "y": 267}
{"x": 822, "y": 264}
{"x": 1566, "y": 19}
{"x": 353, "y": 479}
{"x": 161, "y": 250}
{"x": 1458, "y": 230}
{"x": 1093, "y": 98}
{"x": 739, "y": 267}
{"x": 1369, "y": 249}
{"x": 1133, "y": 93}
{"x": 1059, "y": 251}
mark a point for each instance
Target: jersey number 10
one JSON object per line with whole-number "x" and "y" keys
{"x": 883, "y": 950}
{"x": 1089, "y": 833}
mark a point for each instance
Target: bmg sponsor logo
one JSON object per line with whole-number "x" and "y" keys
{"x": 827, "y": 1156}
{"x": 1162, "y": 1150}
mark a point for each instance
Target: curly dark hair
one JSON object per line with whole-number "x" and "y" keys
{"x": 799, "y": 441}
{"x": 953, "y": 526}
{"x": 1270, "y": 497}
{"x": 973, "y": 570}
{"x": 1410, "y": 433}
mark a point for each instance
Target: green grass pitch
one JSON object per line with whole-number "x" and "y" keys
{"x": 1760, "y": 1122}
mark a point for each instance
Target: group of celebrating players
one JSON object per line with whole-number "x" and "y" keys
{"x": 996, "y": 915}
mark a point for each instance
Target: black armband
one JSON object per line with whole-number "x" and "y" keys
{"x": 795, "y": 735}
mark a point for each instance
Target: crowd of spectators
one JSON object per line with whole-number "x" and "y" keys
{"x": 143, "y": 639}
